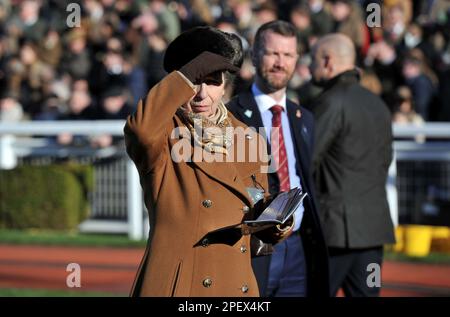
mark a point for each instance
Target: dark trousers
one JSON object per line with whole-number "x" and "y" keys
{"x": 287, "y": 272}
{"x": 349, "y": 269}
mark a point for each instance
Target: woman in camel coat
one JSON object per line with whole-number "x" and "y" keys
{"x": 192, "y": 201}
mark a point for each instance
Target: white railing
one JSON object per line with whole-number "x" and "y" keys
{"x": 113, "y": 127}
{"x": 429, "y": 130}
{"x": 11, "y": 148}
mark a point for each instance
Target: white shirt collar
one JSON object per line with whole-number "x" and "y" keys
{"x": 264, "y": 101}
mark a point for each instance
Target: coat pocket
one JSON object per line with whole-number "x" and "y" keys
{"x": 175, "y": 279}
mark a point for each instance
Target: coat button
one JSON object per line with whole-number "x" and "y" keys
{"x": 207, "y": 203}
{"x": 244, "y": 289}
{"x": 243, "y": 248}
{"x": 245, "y": 209}
{"x": 205, "y": 242}
{"x": 207, "y": 282}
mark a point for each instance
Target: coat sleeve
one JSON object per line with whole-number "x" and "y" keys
{"x": 147, "y": 130}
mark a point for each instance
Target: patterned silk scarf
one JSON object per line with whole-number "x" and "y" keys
{"x": 214, "y": 134}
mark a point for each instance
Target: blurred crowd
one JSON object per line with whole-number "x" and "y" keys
{"x": 50, "y": 71}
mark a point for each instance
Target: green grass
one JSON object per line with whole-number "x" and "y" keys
{"x": 65, "y": 238}
{"x": 27, "y": 292}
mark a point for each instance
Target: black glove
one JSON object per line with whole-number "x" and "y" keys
{"x": 205, "y": 64}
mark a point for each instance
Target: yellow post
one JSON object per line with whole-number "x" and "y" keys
{"x": 417, "y": 240}
{"x": 399, "y": 239}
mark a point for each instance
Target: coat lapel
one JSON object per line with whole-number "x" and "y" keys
{"x": 229, "y": 174}
{"x": 300, "y": 135}
{"x": 248, "y": 112}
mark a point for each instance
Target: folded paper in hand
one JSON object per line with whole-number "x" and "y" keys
{"x": 280, "y": 209}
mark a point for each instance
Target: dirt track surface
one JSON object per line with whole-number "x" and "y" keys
{"x": 113, "y": 270}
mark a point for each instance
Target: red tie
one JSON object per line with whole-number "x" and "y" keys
{"x": 278, "y": 150}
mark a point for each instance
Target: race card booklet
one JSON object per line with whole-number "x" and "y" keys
{"x": 280, "y": 209}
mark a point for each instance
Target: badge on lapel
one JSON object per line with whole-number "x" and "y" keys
{"x": 248, "y": 113}
{"x": 304, "y": 130}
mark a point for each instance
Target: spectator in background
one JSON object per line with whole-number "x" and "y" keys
{"x": 169, "y": 24}
{"x": 51, "y": 109}
{"x": 113, "y": 106}
{"x": 5, "y": 11}
{"x": 93, "y": 10}
{"x": 107, "y": 72}
{"x": 27, "y": 24}
{"x": 62, "y": 87}
{"x": 80, "y": 108}
{"x": 140, "y": 30}
{"x": 404, "y": 108}
{"x": 421, "y": 85}
{"x": 444, "y": 94}
{"x": 5, "y": 73}
{"x": 241, "y": 10}
{"x": 265, "y": 12}
{"x": 135, "y": 77}
{"x": 404, "y": 112}
{"x": 77, "y": 60}
{"x": 29, "y": 78}
{"x": 10, "y": 108}
{"x": 301, "y": 19}
{"x": 51, "y": 49}
{"x": 413, "y": 39}
{"x": 105, "y": 27}
{"x": 382, "y": 60}
{"x": 321, "y": 20}
{"x": 395, "y": 23}
{"x": 437, "y": 12}
{"x": 405, "y": 6}
{"x": 226, "y": 24}
{"x": 150, "y": 51}
{"x": 194, "y": 13}
{"x": 348, "y": 20}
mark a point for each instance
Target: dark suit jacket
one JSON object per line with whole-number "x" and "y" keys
{"x": 352, "y": 153}
{"x": 310, "y": 230}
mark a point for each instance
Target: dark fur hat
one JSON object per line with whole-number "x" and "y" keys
{"x": 193, "y": 42}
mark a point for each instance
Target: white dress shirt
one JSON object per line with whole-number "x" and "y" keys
{"x": 264, "y": 103}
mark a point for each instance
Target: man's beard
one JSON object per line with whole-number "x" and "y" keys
{"x": 272, "y": 83}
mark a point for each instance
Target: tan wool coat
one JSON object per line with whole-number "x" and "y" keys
{"x": 188, "y": 200}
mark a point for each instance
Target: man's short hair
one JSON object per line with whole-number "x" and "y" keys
{"x": 279, "y": 27}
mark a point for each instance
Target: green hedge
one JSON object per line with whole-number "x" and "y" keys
{"x": 53, "y": 197}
